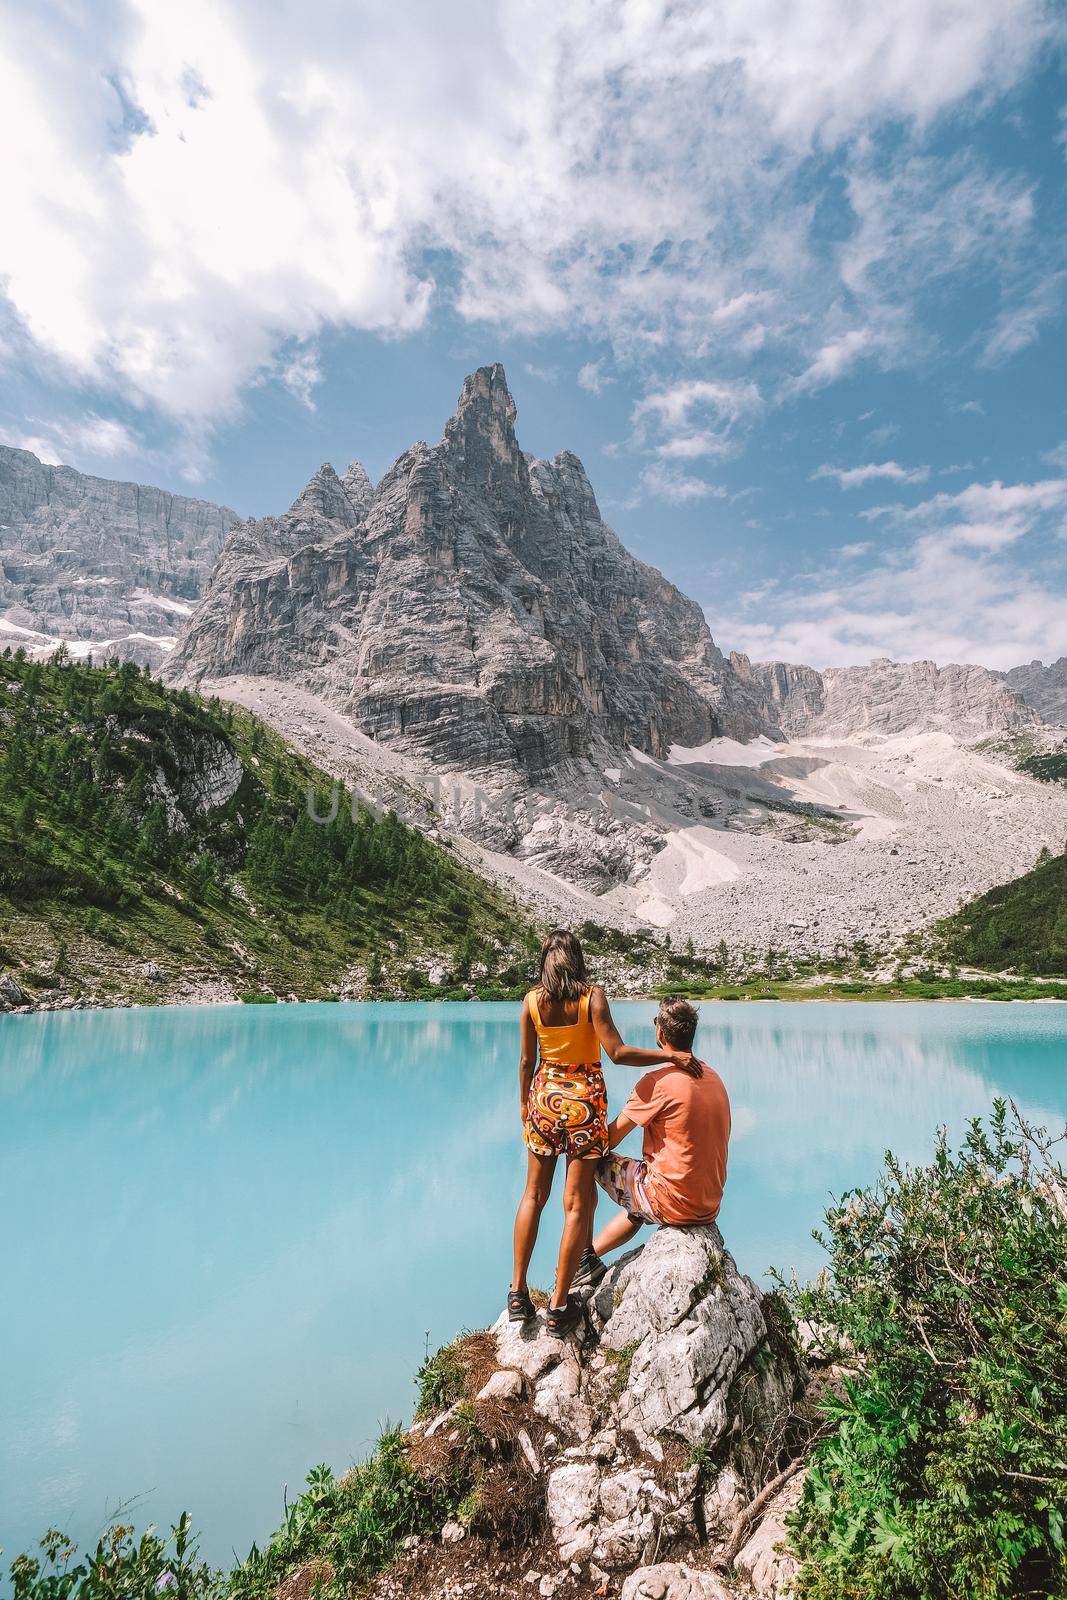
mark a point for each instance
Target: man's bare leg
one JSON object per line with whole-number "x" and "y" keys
{"x": 619, "y": 1230}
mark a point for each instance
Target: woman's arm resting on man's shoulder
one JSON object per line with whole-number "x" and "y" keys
{"x": 631, "y": 1055}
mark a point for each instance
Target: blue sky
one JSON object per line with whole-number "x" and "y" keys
{"x": 789, "y": 276}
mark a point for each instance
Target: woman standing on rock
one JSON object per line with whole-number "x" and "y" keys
{"x": 566, "y": 1021}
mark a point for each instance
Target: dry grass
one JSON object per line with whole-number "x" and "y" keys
{"x": 310, "y": 1578}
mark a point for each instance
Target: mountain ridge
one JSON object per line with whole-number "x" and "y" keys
{"x": 479, "y": 614}
{"x": 100, "y": 564}
{"x": 529, "y": 528}
{"x": 79, "y": 521}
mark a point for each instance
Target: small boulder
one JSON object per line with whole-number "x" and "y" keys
{"x": 559, "y": 1398}
{"x": 526, "y": 1347}
{"x": 671, "y": 1580}
{"x": 453, "y": 1533}
{"x": 11, "y": 991}
{"x": 504, "y": 1385}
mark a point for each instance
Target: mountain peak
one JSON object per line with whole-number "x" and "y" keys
{"x": 486, "y": 393}
{"x": 325, "y": 495}
{"x": 480, "y": 439}
{"x": 357, "y": 485}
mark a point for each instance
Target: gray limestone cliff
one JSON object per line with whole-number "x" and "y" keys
{"x": 474, "y": 611}
{"x": 886, "y": 697}
{"x": 1043, "y": 688}
{"x": 117, "y": 567}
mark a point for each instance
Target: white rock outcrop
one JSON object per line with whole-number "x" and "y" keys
{"x": 666, "y": 1415}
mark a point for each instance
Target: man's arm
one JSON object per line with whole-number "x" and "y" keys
{"x": 632, "y": 1055}
{"x": 618, "y": 1129}
{"x": 527, "y": 1055}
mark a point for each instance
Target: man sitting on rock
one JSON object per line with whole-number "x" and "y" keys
{"x": 686, "y": 1122}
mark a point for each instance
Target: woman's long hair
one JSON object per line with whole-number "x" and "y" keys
{"x": 563, "y": 974}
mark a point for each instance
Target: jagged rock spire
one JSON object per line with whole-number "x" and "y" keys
{"x": 357, "y": 485}
{"x": 326, "y": 496}
{"x": 485, "y": 396}
{"x": 480, "y": 440}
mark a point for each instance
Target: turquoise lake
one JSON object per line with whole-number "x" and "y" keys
{"x": 229, "y": 1233}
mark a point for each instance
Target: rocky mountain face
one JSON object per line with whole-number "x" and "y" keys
{"x": 1043, "y": 688}
{"x": 888, "y": 697}
{"x": 112, "y": 568}
{"x": 474, "y": 611}
{"x": 474, "y": 618}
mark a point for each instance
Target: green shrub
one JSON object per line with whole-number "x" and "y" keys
{"x": 947, "y": 1476}
{"x": 354, "y": 1523}
{"x": 122, "y": 1567}
{"x": 441, "y": 1381}
{"x": 254, "y": 997}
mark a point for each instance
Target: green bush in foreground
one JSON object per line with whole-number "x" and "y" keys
{"x": 344, "y": 1529}
{"x": 353, "y": 1525}
{"x": 947, "y": 1476}
{"x": 122, "y": 1567}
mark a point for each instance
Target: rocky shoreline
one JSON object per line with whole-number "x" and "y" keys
{"x": 216, "y": 995}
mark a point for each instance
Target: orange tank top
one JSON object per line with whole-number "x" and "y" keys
{"x": 572, "y": 1044}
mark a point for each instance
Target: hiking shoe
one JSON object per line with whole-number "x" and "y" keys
{"x": 520, "y": 1306}
{"x": 562, "y": 1320}
{"x": 590, "y": 1270}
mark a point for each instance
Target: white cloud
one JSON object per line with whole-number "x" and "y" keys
{"x": 43, "y": 448}
{"x": 677, "y": 488}
{"x": 1019, "y": 324}
{"x": 927, "y": 217}
{"x": 190, "y": 189}
{"x": 989, "y": 515}
{"x": 690, "y": 446}
{"x": 63, "y": 441}
{"x": 696, "y": 417}
{"x": 851, "y": 552}
{"x": 542, "y": 374}
{"x": 975, "y": 407}
{"x": 301, "y": 373}
{"x": 593, "y": 378}
{"x": 834, "y": 360}
{"x": 673, "y": 407}
{"x": 958, "y": 590}
{"x": 855, "y": 477}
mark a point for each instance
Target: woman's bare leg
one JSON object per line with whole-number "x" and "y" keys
{"x": 539, "y": 1172}
{"x": 578, "y": 1203}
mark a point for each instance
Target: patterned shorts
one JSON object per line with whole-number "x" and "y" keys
{"x": 625, "y": 1180}
{"x": 566, "y": 1113}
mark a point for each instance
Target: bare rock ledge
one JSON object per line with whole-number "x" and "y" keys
{"x": 653, "y": 1430}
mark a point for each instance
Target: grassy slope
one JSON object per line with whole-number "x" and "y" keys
{"x": 107, "y": 861}
{"x": 1022, "y": 924}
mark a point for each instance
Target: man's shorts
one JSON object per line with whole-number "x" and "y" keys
{"x": 625, "y": 1180}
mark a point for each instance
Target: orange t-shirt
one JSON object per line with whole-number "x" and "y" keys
{"x": 686, "y": 1124}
